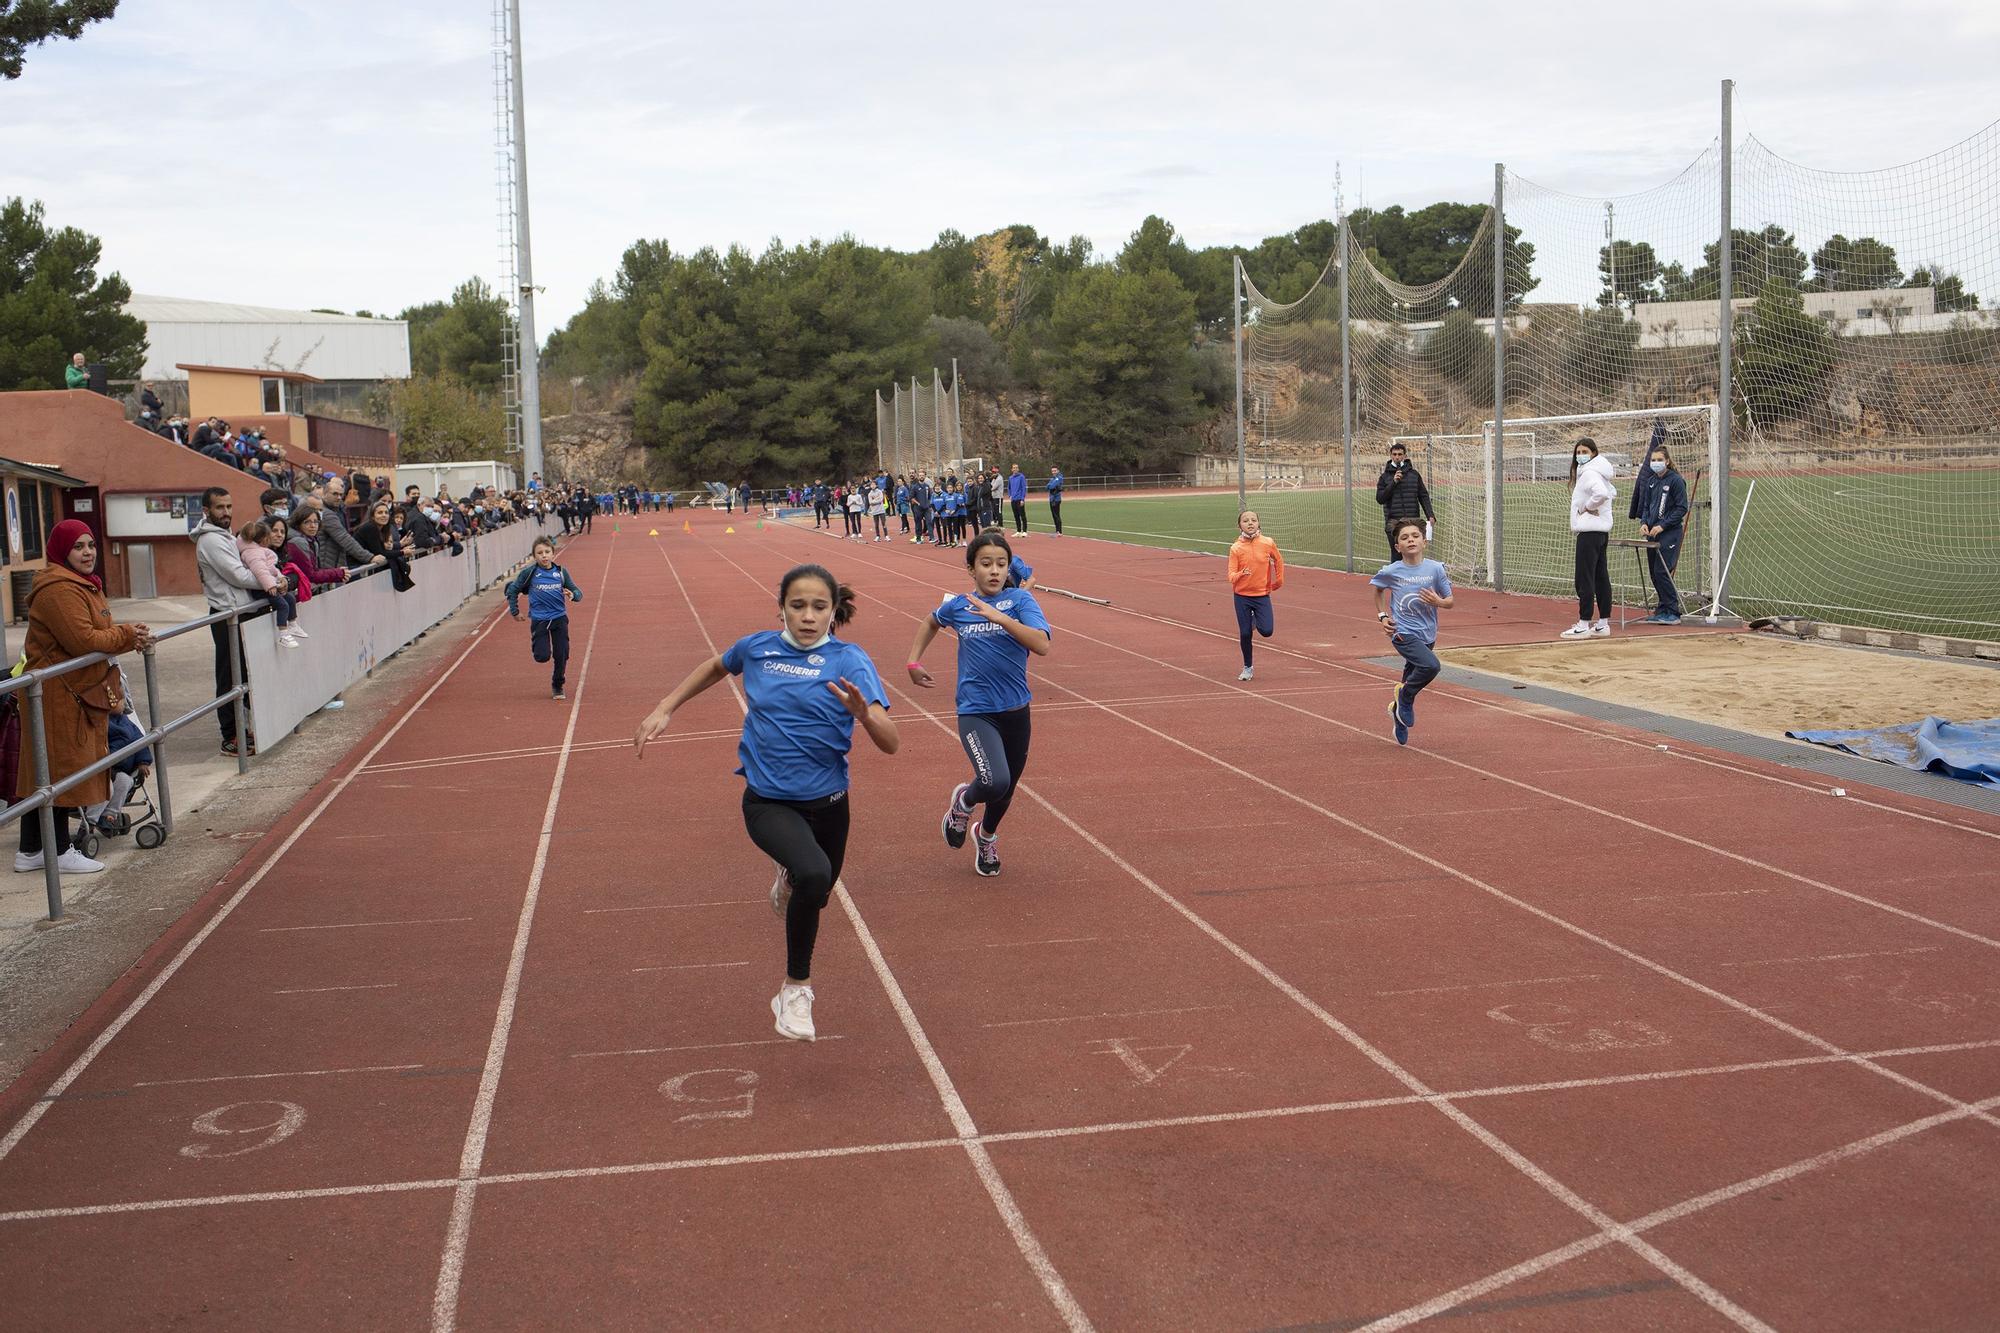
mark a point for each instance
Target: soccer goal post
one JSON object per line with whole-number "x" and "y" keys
{"x": 1530, "y": 490}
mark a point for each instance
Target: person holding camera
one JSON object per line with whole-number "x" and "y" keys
{"x": 1401, "y": 492}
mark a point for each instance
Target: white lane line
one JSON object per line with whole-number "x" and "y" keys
{"x": 1678, "y": 897}
{"x": 361, "y": 925}
{"x": 1493, "y": 985}
{"x": 1025, "y": 1240}
{"x": 1686, "y": 1208}
{"x": 1022, "y": 944}
{"x": 1449, "y": 1300}
{"x": 1117, "y": 1013}
{"x": 458, "y": 1231}
{"x": 288, "y": 1073}
{"x": 705, "y": 1046}
{"x": 1835, "y": 957}
{"x": 670, "y": 907}
{"x": 328, "y": 990}
{"x": 685, "y": 967}
{"x": 131, "y": 1011}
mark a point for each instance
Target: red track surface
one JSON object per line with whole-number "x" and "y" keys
{"x": 1267, "y": 1023}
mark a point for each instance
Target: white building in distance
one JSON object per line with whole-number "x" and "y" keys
{"x": 336, "y": 348}
{"x": 1876, "y": 313}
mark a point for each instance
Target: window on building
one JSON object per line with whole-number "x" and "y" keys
{"x": 274, "y": 396}
{"x": 37, "y": 514}
{"x": 1865, "y": 312}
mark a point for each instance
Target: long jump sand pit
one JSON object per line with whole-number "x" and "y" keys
{"x": 1751, "y": 682}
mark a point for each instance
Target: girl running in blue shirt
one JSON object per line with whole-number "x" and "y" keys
{"x": 805, "y": 690}
{"x": 997, "y": 627}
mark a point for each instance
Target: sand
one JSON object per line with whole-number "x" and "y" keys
{"x": 1751, "y": 682}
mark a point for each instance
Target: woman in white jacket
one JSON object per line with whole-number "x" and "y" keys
{"x": 1590, "y": 497}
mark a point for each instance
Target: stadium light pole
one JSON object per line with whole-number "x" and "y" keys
{"x": 1236, "y": 317}
{"x": 529, "y": 350}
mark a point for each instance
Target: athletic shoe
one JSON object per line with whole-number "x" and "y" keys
{"x": 781, "y": 893}
{"x": 23, "y": 862}
{"x": 1406, "y": 709}
{"x": 957, "y": 818}
{"x": 1600, "y": 629}
{"x": 1580, "y": 630}
{"x": 792, "y": 1006}
{"x": 73, "y": 862}
{"x": 1396, "y": 723}
{"x": 1245, "y": 674}
{"x": 287, "y": 641}
{"x": 298, "y": 632}
{"x": 557, "y": 694}
{"x": 985, "y": 852}
{"x": 1669, "y": 620}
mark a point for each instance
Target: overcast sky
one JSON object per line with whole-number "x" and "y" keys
{"x": 284, "y": 153}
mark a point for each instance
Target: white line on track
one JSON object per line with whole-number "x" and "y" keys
{"x": 328, "y": 990}
{"x": 359, "y": 925}
{"x": 1835, "y": 957}
{"x": 668, "y": 907}
{"x": 1025, "y": 1240}
{"x": 1679, "y": 897}
{"x": 1493, "y": 985}
{"x": 458, "y": 1231}
{"x": 1685, "y": 1208}
{"x": 704, "y": 1046}
{"x": 286, "y": 1073}
{"x": 166, "y": 974}
{"x": 685, "y": 967}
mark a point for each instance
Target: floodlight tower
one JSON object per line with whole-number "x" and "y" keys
{"x": 520, "y": 370}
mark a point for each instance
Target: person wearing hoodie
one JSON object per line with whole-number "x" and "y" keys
{"x": 229, "y": 585}
{"x": 68, "y": 617}
{"x": 1590, "y": 497}
{"x": 1660, "y": 503}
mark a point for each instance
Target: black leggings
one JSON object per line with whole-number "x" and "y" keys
{"x": 31, "y": 830}
{"x": 1055, "y": 514}
{"x": 1593, "y": 574}
{"x": 809, "y": 839}
{"x": 997, "y": 745}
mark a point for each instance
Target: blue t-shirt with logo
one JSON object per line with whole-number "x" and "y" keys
{"x": 992, "y": 664}
{"x": 1411, "y": 614}
{"x": 797, "y": 733}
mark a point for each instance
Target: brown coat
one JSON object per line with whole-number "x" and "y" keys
{"x": 68, "y": 617}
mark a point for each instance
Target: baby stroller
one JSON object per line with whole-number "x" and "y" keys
{"x": 130, "y": 809}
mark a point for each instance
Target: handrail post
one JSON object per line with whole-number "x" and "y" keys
{"x": 241, "y": 704}
{"x": 38, "y": 742}
{"x": 159, "y": 746}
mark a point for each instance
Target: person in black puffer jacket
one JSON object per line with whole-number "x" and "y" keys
{"x": 1401, "y": 492}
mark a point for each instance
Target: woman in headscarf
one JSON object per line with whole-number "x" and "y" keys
{"x": 68, "y": 617}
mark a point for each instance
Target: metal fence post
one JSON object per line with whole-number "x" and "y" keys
{"x": 1346, "y": 398}
{"x": 159, "y": 747}
{"x": 1496, "y": 487}
{"x": 242, "y": 702}
{"x": 1236, "y": 314}
{"x": 38, "y": 742}
{"x": 1725, "y": 410}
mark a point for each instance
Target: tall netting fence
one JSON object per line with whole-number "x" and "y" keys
{"x": 1864, "y": 398}
{"x": 917, "y": 427}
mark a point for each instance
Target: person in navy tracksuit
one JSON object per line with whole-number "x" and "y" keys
{"x": 1660, "y": 503}
{"x": 550, "y": 589}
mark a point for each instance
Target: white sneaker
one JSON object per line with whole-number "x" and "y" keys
{"x": 23, "y": 862}
{"x": 781, "y": 893}
{"x": 1580, "y": 630}
{"x": 1246, "y": 674}
{"x": 792, "y": 1006}
{"x": 1601, "y": 630}
{"x": 287, "y": 641}
{"x": 73, "y": 862}
{"x": 298, "y": 631}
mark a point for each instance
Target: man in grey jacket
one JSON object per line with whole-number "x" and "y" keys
{"x": 227, "y": 583}
{"x": 333, "y": 527}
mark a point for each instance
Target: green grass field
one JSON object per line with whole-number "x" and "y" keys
{"x": 1915, "y": 551}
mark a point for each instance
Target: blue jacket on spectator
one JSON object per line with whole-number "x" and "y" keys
{"x": 1661, "y": 501}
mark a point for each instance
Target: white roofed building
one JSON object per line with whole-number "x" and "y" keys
{"x": 335, "y": 348}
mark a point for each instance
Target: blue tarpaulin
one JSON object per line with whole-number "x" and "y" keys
{"x": 1968, "y": 751}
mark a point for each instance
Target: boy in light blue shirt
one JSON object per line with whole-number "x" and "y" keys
{"x": 1408, "y": 594}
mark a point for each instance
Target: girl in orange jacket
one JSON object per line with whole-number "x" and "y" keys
{"x": 1256, "y": 570}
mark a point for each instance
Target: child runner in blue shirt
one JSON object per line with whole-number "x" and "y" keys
{"x": 547, "y": 584}
{"x": 1408, "y": 593}
{"x": 804, "y": 690}
{"x": 997, "y": 628}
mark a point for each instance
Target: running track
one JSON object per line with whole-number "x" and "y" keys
{"x": 1267, "y": 1023}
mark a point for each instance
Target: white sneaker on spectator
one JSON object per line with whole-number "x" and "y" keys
{"x": 73, "y": 862}
{"x": 299, "y": 631}
{"x": 23, "y": 862}
{"x": 1600, "y": 629}
{"x": 1580, "y": 630}
{"x": 287, "y": 641}
{"x": 792, "y": 1006}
